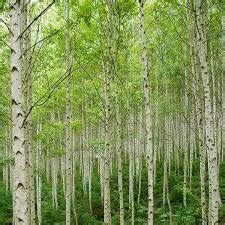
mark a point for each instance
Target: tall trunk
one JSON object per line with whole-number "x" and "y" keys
{"x": 223, "y": 87}
{"x": 47, "y": 165}
{"x": 6, "y": 156}
{"x": 148, "y": 114}
{"x": 54, "y": 171}
{"x": 107, "y": 207}
{"x": 164, "y": 147}
{"x": 118, "y": 129}
{"x": 62, "y": 166}
{"x": 199, "y": 112}
{"x": 167, "y": 146}
{"x": 209, "y": 122}
{"x": 11, "y": 167}
{"x": 83, "y": 147}
{"x": 186, "y": 144}
{"x": 20, "y": 175}
{"x": 192, "y": 145}
{"x": 90, "y": 178}
{"x": 131, "y": 165}
{"x": 86, "y": 153}
{"x": 202, "y": 149}
{"x": 68, "y": 120}
{"x": 73, "y": 178}
{"x": 26, "y": 43}
{"x": 107, "y": 154}
{"x": 119, "y": 154}
{"x": 141, "y": 146}
{"x": 38, "y": 175}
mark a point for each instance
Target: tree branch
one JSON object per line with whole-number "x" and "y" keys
{"x": 36, "y": 18}
{"x": 6, "y": 25}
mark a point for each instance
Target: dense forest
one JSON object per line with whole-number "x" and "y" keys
{"x": 112, "y": 112}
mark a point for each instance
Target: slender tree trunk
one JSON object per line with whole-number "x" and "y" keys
{"x": 118, "y": 129}
{"x": 75, "y": 158}
{"x": 209, "y": 122}
{"x": 6, "y": 156}
{"x": 90, "y": 179}
{"x": 54, "y": 171}
{"x": 223, "y": 87}
{"x": 141, "y": 146}
{"x": 199, "y": 111}
{"x": 164, "y": 147}
{"x": 131, "y": 166}
{"x": 107, "y": 154}
{"x": 186, "y": 145}
{"x": 20, "y": 203}
{"x": 38, "y": 175}
{"x": 47, "y": 166}
{"x": 62, "y": 162}
{"x": 107, "y": 207}
{"x": 202, "y": 150}
{"x": 148, "y": 114}
{"x": 26, "y": 43}
{"x": 68, "y": 120}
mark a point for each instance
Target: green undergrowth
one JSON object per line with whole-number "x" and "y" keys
{"x": 180, "y": 215}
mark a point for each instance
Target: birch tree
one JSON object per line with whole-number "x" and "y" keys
{"x": 209, "y": 122}
{"x": 149, "y": 151}
{"x": 20, "y": 203}
{"x": 68, "y": 120}
{"x": 26, "y": 39}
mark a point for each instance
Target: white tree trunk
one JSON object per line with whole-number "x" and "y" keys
{"x": 223, "y": 87}
{"x": 131, "y": 165}
{"x": 38, "y": 175}
{"x": 209, "y": 122}
{"x": 20, "y": 203}
{"x": 148, "y": 114}
{"x": 6, "y": 156}
{"x": 118, "y": 128}
{"x": 68, "y": 120}
{"x": 106, "y": 192}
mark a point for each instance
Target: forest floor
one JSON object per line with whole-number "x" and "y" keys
{"x": 180, "y": 215}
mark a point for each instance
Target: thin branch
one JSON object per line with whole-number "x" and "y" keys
{"x": 45, "y": 38}
{"x": 54, "y": 87}
{"x": 6, "y": 25}
{"x": 6, "y": 44}
{"x": 36, "y": 18}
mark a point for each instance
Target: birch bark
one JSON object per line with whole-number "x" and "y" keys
{"x": 209, "y": 122}
{"x": 107, "y": 154}
{"x": 68, "y": 120}
{"x": 20, "y": 203}
{"x": 148, "y": 114}
{"x": 118, "y": 126}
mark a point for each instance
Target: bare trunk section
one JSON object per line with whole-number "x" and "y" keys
{"x": 131, "y": 164}
{"x": 149, "y": 151}
{"x": 26, "y": 77}
{"x": 118, "y": 128}
{"x": 209, "y": 121}
{"x": 6, "y": 156}
{"x": 223, "y": 87}
{"x": 21, "y": 193}
{"x": 141, "y": 149}
{"x": 54, "y": 171}
{"x": 73, "y": 177}
{"x": 39, "y": 175}
{"x": 199, "y": 111}
{"x": 202, "y": 150}
{"x": 107, "y": 207}
{"x": 68, "y": 120}
{"x": 107, "y": 154}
